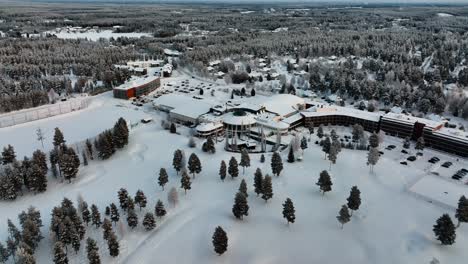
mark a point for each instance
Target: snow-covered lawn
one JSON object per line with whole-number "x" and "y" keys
{"x": 392, "y": 225}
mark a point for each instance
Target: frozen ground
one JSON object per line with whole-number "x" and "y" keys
{"x": 392, "y": 226}
{"x": 94, "y": 35}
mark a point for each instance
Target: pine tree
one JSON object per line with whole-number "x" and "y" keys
{"x": 113, "y": 245}
{"x": 24, "y": 256}
{"x": 233, "y": 169}
{"x": 185, "y": 182}
{"x": 123, "y": 199}
{"x": 420, "y": 144}
{"x": 39, "y": 158}
{"x": 462, "y": 211}
{"x": 159, "y": 209}
{"x": 324, "y": 182}
{"x": 76, "y": 242}
{"x": 220, "y": 241}
{"x": 209, "y": 146}
{"x": 60, "y": 257}
{"x": 107, "y": 211}
{"x": 105, "y": 146}
{"x": 276, "y": 164}
{"x": 262, "y": 158}
{"x": 240, "y": 207}
{"x": 140, "y": 199}
{"x": 444, "y": 230}
{"x": 163, "y": 178}
{"x": 332, "y": 154}
{"x": 132, "y": 219}
{"x": 69, "y": 164}
{"x": 245, "y": 160}
{"x": 326, "y": 145}
{"x": 173, "y": 197}
{"x": 177, "y": 161}
{"x": 95, "y": 216}
{"x": 320, "y": 131}
{"x": 173, "y": 129}
{"x": 148, "y": 221}
{"x": 120, "y": 133}
{"x": 37, "y": 180}
{"x": 194, "y": 164}
{"x": 58, "y": 138}
{"x": 374, "y": 140}
{"x": 289, "y": 213}
{"x": 106, "y": 228}
{"x": 373, "y": 158}
{"x": 222, "y": 170}
{"x": 304, "y": 143}
{"x": 131, "y": 203}
{"x": 92, "y": 251}
{"x": 267, "y": 188}
{"x": 343, "y": 216}
{"x": 4, "y": 254}
{"x": 114, "y": 213}
{"x": 243, "y": 188}
{"x": 85, "y": 214}
{"x": 291, "y": 158}
{"x": 258, "y": 181}
{"x": 354, "y": 199}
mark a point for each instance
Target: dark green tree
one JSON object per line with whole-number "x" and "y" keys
{"x": 289, "y": 213}
{"x": 222, "y": 170}
{"x": 163, "y": 178}
{"x": 233, "y": 169}
{"x": 220, "y": 241}
{"x": 258, "y": 181}
{"x": 324, "y": 182}
{"x": 276, "y": 164}
{"x": 240, "y": 207}
{"x": 148, "y": 221}
{"x": 267, "y": 188}
{"x": 185, "y": 182}
{"x": 444, "y": 230}
{"x": 343, "y": 216}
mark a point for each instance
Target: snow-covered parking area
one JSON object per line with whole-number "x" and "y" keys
{"x": 391, "y": 226}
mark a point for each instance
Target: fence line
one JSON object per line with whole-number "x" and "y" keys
{"x": 41, "y": 112}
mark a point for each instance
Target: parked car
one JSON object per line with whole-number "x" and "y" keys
{"x": 404, "y": 151}
{"x": 403, "y": 163}
{"x": 447, "y": 164}
{"x": 411, "y": 158}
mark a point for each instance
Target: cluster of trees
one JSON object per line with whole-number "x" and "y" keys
{"x": 110, "y": 140}
{"x": 180, "y": 164}
{"x": 445, "y": 229}
{"x": 22, "y": 243}
{"x": 16, "y": 177}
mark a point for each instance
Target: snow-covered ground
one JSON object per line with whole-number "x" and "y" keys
{"x": 94, "y": 35}
{"x": 393, "y": 224}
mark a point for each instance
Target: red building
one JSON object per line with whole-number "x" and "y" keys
{"x": 137, "y": 87}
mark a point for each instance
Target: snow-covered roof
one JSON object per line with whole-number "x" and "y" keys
{"x": 183, "y": 105}
{"x": 233, "y": 119}
{"x": 136, "y": 82}
{"x": 283, "y": 104}
{"x": 170, "y": 52}
{"x": 326, "y": 110}
{"x": 207, "y": 127}
{"x": 214, "y": 63}
{"x": 292, "y": 119}
{"x": 220, "y": 73}
{"x": 412, "y": 119}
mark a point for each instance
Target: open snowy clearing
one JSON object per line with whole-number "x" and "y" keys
{"x": 94, "y": 35}
{"x": 392, "y": 225}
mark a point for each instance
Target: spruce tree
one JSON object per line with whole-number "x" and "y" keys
{"x": 245, "y": 160}
{"x": 85, "y": 214}
{"x": 177, "y": 161}
{"x": 163, "y": 178}
{"x": 461, "y": 212}
{"x": 243, "y": 188}
{"x": 58, "y": 138}
{"x": 324, "y": 182}
{"x": 354, "y": 199}
{"x": 373, "y": 158}
{"x": 267, "y": 188}
{"x": 8, "y": 155}
{"x": 132, "y": 219}
{"x": 37, "y": 180}
{"x": 76, "y": 242}
{"x": 92, "y": 251}
{"x": 113, "y": 244}
{"x": 114, "y": 213}
{"x": 222, "y": 170}
{"x": 95, "y": 216}
{"x": 444, "y": 230}
{"x": 85, "y": 159}
{"x": 289, "y": 213}
{"x": 233, "y": 169}
{"x": 131, "y": 203}
{"x": 123, "y": 198}
{"x": 209, "y": 146}
{"x": 107, "y": 211}
{"x": 220, "y": 241}
{"x": 262, "y": 158}
{"x": 240, "y": 207}
{"x": 320, "y": 131}
{"x": 343, "y": 216}
{"x": 258, "y": 181}
{"x": 60, "y": 257}
{"x": 276, "y": 164}
{"x": 291, "y": 157}
{"x": 148, "y": 221}
{"x": 69, "y": 164}
{"x": 194, "y": 164}
{"x": 120, "y": 133}
{"x": 185, "y": 182}
{"x": 140, "y": 199}
{"x": 326, "y": 145}
{"x": 106, "y": 228}
{"x": 159, "y": 209}
{"x": 39, "y": 158}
